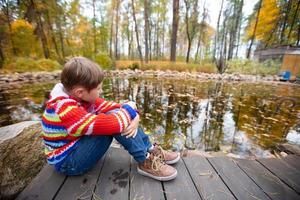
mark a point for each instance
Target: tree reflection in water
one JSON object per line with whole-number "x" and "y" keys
{"x": 239, "y": 118}
{"x": 246, "y": 119}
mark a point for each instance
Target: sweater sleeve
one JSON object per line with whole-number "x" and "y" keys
{"x": 103, "y": 106}
{"x": 79, "y": 122}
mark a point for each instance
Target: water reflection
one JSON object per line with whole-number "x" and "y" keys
{"x": 247, "y": 119}
{"x": 239, "y": 118}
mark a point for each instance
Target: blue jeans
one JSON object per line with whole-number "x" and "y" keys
{"x": 90, "y": 150}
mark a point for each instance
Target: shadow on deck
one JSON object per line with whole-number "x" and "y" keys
{"x": 115, "y": 177}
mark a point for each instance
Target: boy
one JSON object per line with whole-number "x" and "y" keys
{"x": 78, "y": 126}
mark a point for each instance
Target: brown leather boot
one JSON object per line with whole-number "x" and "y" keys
{"x": 167, "y": 156}
{"x": 155, "y": 168}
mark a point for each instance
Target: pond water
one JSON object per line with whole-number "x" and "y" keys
{"x": 242, "y": 118}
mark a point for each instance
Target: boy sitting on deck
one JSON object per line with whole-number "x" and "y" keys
{"x": 78, "y": 126}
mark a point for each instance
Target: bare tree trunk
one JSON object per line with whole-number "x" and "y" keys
{"x": 117, "y": 30}
{"x": 94, "y": 27}
{"x": 157, "y": 41}
{"x": 60, "y": 32}
{"x": 40, "y": 28}
{"x": 239, "y": 24}
{"x": 232, "y": 32}
{"x": 132, "y": 44}
{"x": 129, "y": 46}
{"x": 129, "y": 37}
{"x": 287, "y": 11}
{"x": 238, "y": 7}
{"x": 150, "y": 43}
{"x": 194, "y": 22}
{"x": 7, "y": 13}
{"x": 217, "y": 32}
{"x": 198, "y": 46}
{"x": 254, "y": 31}
{"x": 298, "y": 39}
{"x": 174, "y": 30}
{"x": 294, "y": 19}
{"x": 187, "y": 8}
{"x": 163, "y": 40}
{"x": 111, "y": 29}
{"x": 137, "y": 33}
{"x": 52, "y": 33}
{"x": 146, "y": 19}
{"x": 2, "y": 58}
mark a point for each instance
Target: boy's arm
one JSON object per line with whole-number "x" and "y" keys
{"x": 101, "y": 105}
{"x": 79, "y": 122}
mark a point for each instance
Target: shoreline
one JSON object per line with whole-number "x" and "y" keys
{"x": 32, "y": 77}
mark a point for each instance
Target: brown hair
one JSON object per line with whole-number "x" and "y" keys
{"x": 81, "y": 71}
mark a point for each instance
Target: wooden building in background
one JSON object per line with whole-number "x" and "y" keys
{"x": 289, "y": 56}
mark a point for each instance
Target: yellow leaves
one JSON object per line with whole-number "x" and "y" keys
{"x": 20, "y": 25}
{"x": 23, "y": 37}
{"x": 267, "y": 20}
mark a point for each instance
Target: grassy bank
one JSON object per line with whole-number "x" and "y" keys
{"x": 166, "y": 65}
{"x": 20, "y": 64}
{"x": 236, "y": 66}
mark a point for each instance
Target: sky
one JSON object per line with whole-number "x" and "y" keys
{"x": 215, "y": 5}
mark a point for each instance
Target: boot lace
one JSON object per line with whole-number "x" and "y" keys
{"x": 160, "y": 152}
{"x": 156, "y": 163}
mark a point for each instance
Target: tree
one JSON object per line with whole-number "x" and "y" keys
{"x": 203, "y": 31}
{"x": 137, "y": 32}
{"x": 254, "y": 29}
{"x": 146, "y": 18}
{"x": 94, "y": 27}
{"x": 217, "y": 32}
{"x": 174, "y": 29}
{"x": 37, "y": 18}
{"x": 191, "y": 21}
{"x": 58, "y": 22}
{"x": 295, "y": 16}
{"x": 285, "y": 21}
{"x": 117, "y": 29}
{"x": 6, "y": 7}
{"x": 235, "y": 24}
{"x": 112, "y": 11}
{"x": 22, "y": 29}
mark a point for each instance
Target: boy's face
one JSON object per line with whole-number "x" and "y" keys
{"x": 88, "y": 96}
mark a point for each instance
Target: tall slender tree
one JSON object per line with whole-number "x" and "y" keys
{"x": 117, "y": 30}
{"x": 137, "y": 32}
{"x": 191, "y": 21}
{"x": 254, "y": 31}
{"x": 175, "y": 22}
{"x": 146, "y": 19}
{"x": 217, "y": 32}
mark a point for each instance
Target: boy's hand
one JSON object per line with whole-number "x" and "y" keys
{"x": 132, "y": 129}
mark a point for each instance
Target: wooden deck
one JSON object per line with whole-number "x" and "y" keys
{"x": 115, "y": 177}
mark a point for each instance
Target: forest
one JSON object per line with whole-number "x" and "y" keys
{"x": 143, "y": 30}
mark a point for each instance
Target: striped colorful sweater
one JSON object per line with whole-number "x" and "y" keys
{"x": 66, "y": 120}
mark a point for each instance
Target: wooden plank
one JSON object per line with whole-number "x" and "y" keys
{"x": 81, "y": 187}
{"x": 142, "y": 187}
{"x": 293, "y": 161}
{"x": 238, "y": 182}
{"x": 270, "y": 184}
{"x": 113, "y": 182}
{"x": 44, "y": 186}
{"x": 182, "y": 187}
{"x": 284, "y": 171}
{"x": 207, "y": 181}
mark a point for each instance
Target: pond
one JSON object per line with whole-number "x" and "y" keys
{"x": 247, "y": 119}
